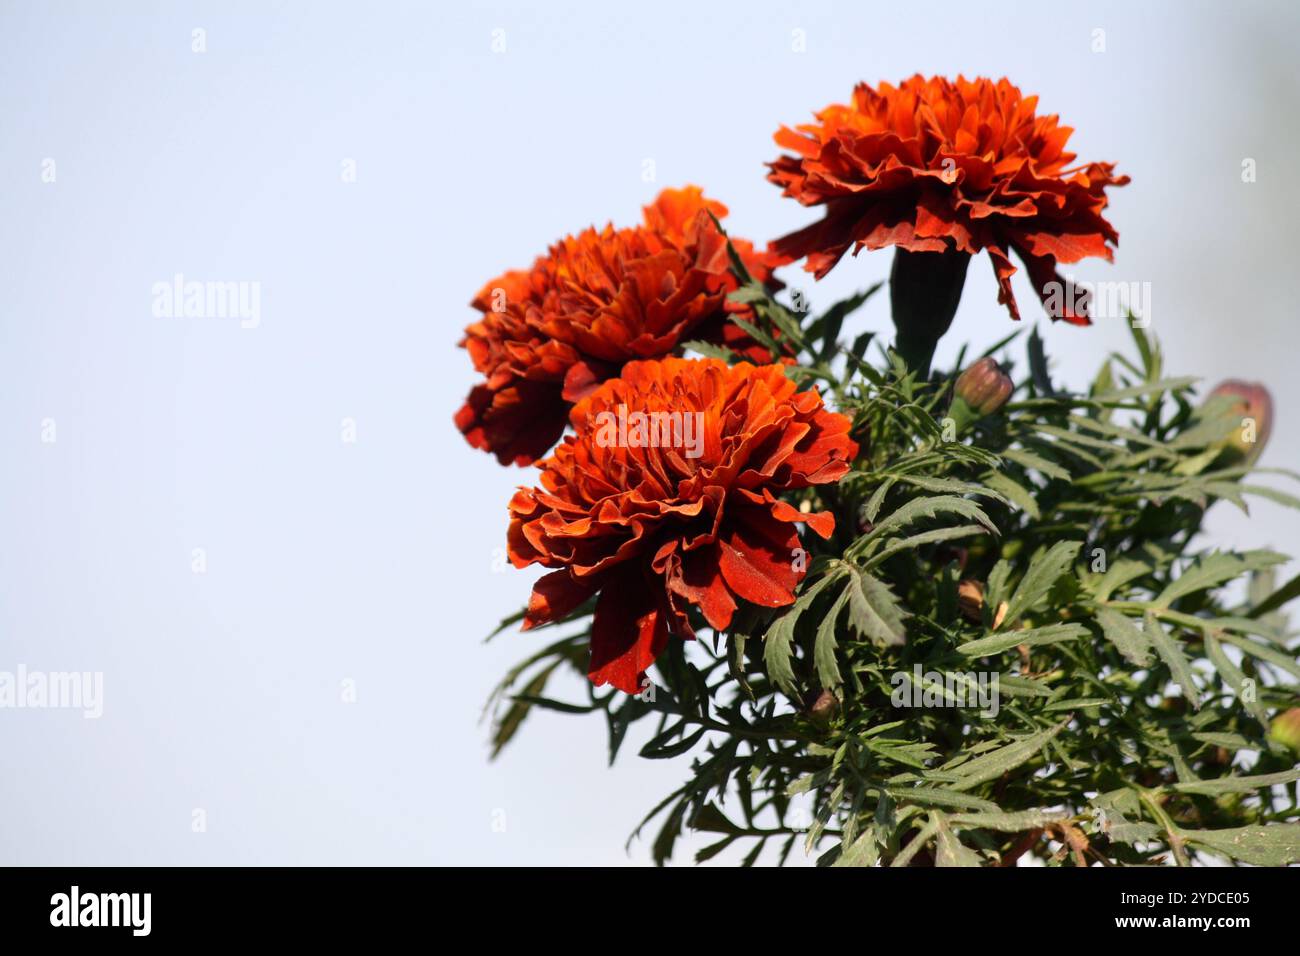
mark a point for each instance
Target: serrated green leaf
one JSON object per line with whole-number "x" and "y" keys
{"x": 1029, "y": 459}
{"x": 944, "y": 797}
{"x": 1286, "y": 593}
{"x": 993, "y": 765}
{"x": 1033, "y": 637}
{"x": 1214, "y": 569}
{"x": 828, "y": 671}
{"x": 665, "y": 751}
{"x": 1179, "y": 667}
{"x": 1147, "y": 388}
{"x": 778, "y": 642}
{"x": 874, "y": 612}
{"x": 1044, "y": 571}
{"x": 863, "y": 851}
{"x": 922, "y": 508}
{"x": 710, "y": 350}
{"x": 1238, "y": 784}
{"x": 1232, "y": 676}
{"x": 949, "y": 851}
{"x": 1006, "y": 822}
{"x": 1118, "y": 574}
{"x": 1128, "y": 639}
{"x": 1017, "y": 493}
{"x": 1275, "y": 844}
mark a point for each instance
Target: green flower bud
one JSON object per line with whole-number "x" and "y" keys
{"x": 1252, "y": 405}
{"x": 984, "y": 387}
{"x": 1286, "y": 729}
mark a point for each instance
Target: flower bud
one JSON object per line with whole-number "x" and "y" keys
{"x": 1253, "y": 406}
{"x": 970, "y": 602}
{"x": 1285, "y": 729}
{"x": 984, "y": 387}
{"x": 824, "y": 708}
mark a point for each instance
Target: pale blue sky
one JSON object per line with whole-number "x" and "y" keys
{"x": 372, "y": 561}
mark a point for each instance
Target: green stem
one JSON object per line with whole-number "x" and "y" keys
{"x": 1175, "y": 838}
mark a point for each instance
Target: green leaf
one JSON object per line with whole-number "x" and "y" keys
{"x": 1076, "y": 703}
{"x": 1260, "y": 491}
{"x": 943, "y": 797}
{"x": 951, "y": 486}
{"x": 1227, "y": 741}
{"x": 778, "y": 642}
{"x": 927, "y": 507}
{"x": 1012, "y": 686}
{"x": 829, "y": 324}
{"x": 507, "y": 622}
{"x": 861, "y": 852}
{"x": 547, "y": 704}
{"x": 1038, "y": 364}
{"x": 1214, "y": 569}
{"x": 1006, "y": 822}
{"x": 949, "y": 851}
{"x": 710, "y": 819}
{"x": 654, "y": 750}
{"x": 933, "y": 536}
{"x": 1287, "y": 592}
{"x": 713, "y": 849}
{"x": 1172, "y": 655}
{"x": 828, "y": 672}
{"x": 1125, "y": 635}
{"x": 1147, "y": 388}
{"x": 874, "y": 612}
{"x": 1044, "y": 571}
{"x": 1238, "y": 784}
{"x": 1033, "y": 637}
{"x": 778, "y": 647}
{"x": 509, "y": 724}
{"x": 1018, "y": 494}
{"x": 1029, "y": 459}
{"x": 1117, "y": 575}
{"x": 1147, "y": 350}
{"x": 710, "y": 350}
{"x": 1232, "y": 676}
{"x": 993, "y": 765}
{"x": 1271, "y": 655}
{"x": 737, "y": 263}
{"x": 1276, "y": 844}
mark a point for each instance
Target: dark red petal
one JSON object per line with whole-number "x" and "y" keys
{"x": 700, "y": 582}
{"x": 758, "y": 557}
{"x": 554, "y": 595}
{"x": 628, "y": 633}
{"x": 1059, "y": 297}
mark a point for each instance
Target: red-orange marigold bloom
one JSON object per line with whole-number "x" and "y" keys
{"x": 934, "y": 164}
{"x": 656, "y": 525}
{"x": 550, "y": 334}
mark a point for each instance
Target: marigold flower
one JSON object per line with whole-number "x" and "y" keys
{"x": 550, "y": 334}
{"x": 678, "y": 507}
{"x": 935, "y": 165}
